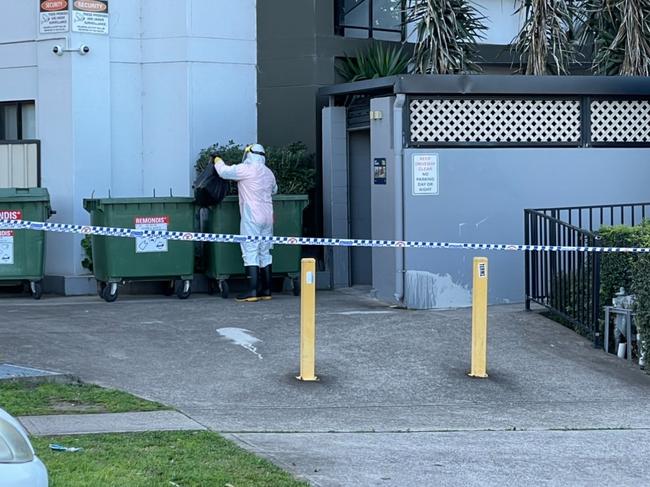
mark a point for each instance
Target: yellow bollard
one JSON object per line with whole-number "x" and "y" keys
{"x": 308, "y": 321}
{"x": 479, "y": 318}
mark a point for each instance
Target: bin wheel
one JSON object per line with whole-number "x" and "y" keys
{"x": 36, "y": 287}
{"x": 170, "y": 288}
{"x": 183, "y": 289}
{"x": 101, "y": 285}
{"x": 213, "y": 287}
{"x": 110, "y": 292}
{"x": 296, "y": 286}
{"x": 225, "y": 288}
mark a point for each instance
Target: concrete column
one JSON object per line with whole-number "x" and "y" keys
{"x": 73, "y": 122}
{"x": 383, "y": 199}
{"x": 335, "y": 191}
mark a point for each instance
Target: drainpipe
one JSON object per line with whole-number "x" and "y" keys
{"x": 398, "y": 147}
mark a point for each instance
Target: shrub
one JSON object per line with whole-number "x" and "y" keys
{"x": 631, "y": 271}
{"x": 86, "y": 245}
{"x": 293, "y": 165}
{"x": 641, "y": 288}
{"x": 616, "y": 269}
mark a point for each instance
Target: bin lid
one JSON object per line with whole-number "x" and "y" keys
{"x": 146, "y": 199}
{"x": 17, "y": 195}
{"x": 291, "y": 197}
{"x": 276, "y": 197}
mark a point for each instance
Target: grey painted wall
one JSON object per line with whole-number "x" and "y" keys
{"x": 483, "y": 193}
{"x": 296, "y": 52}
{"x": 335, "y": 191}
{"x": 360, "y": 212}
{"x": 383, "y": 198}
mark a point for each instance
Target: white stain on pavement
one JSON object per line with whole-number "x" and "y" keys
{"x": 241, "y": 337}
{"x": 352, "y": 313}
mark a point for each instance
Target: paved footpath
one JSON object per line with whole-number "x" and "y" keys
{"x": 82, "y": 424}
{"x": 394, "y": 406}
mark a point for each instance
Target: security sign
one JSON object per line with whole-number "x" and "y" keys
{"x": 150, "y": 244}
{"x": 90, "y": 16}
{"x": 54, "y": 16}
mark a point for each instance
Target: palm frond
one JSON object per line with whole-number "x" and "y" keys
{"x": 619, "y": 31}
{"x": 545, "y": 44}
{"x": 446, "y": 32}
{"x": 376, "y": 62}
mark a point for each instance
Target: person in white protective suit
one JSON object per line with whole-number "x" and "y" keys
{"x": 256, "y": 185}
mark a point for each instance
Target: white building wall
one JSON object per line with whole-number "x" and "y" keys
{"x": 131, "y": 116}
{"x": 126, "y": 100}
{"x": 223, "y": 72}
{"x": 502, "y": 22}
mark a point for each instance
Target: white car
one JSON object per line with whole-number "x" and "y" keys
{"x": 19, "y": 466}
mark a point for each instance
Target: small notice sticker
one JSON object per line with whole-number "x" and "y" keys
{"x": 6, "y": 247}
{"x": 309, "y": 278}
{"x": 380, "y": 171}
{"x": 151, "y": 244}
{"x": 7, "y": 237}
{"x": 482, "y": 270}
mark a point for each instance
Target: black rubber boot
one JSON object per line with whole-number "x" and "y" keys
{"x": 266, "y": 280}
{"x": 250, "y": 296}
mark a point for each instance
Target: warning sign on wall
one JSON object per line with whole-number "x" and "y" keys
{"x": 54, "y": 16}
{"x": 151, "y": 244}
{"x": 7, "y": 237}
{"x": 90, "y": 16}
{"x": 425, "y": 174}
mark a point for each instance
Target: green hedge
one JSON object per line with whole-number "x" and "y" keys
{"x": 631, "y": 271}
{"x": 293, "y": 165}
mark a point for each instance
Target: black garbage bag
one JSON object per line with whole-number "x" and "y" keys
{"x": 210, "y": 188}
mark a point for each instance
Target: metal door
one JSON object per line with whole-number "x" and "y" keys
{"x": 359, "y": 172}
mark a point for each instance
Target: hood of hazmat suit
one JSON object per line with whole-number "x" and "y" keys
{"x": 254, "y": 154}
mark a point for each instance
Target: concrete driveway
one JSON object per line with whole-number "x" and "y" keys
{"x": 394, "y": 406}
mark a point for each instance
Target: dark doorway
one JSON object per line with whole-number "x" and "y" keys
{"x": 359, "y": 171}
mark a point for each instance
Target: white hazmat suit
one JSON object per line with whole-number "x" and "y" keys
{"x": 256, "y": 185}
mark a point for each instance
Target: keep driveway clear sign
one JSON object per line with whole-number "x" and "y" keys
{"x": 90, "y": 16}
{"x": 425, "y": 174}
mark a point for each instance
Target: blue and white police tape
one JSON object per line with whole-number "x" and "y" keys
{"x": 327, "y": 242}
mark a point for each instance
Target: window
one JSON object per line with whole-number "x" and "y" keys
{"x": 17, "y": 120}
{"x": 366, "y": 19}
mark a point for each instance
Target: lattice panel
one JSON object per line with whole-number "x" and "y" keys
{"x": 506, "y": 121}
{"x": 620, "y": 121}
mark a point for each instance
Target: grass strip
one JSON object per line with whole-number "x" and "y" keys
{"x": 20, "y": 398}
{"x": 171, "y": 459}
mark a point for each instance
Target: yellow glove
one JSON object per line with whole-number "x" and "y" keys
{"x": 217, "y": 160}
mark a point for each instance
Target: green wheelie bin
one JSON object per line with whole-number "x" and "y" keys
{"x": 224, "y": 260}
{"x": 22, "y": 252}
{"x": 117, "y": 259}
